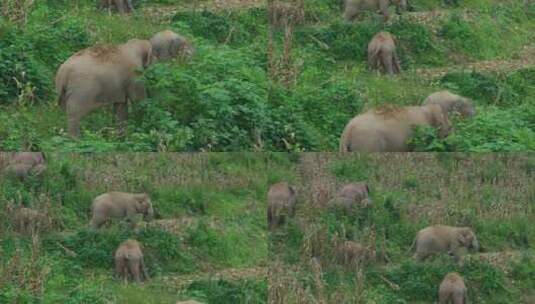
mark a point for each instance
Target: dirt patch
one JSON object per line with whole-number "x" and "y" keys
{"x": 500, "y": 260}
{"x": 174, "y": 226}
{"x": 167, "y": 11}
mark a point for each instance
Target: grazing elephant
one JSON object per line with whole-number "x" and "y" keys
{"x": 168, "y": 44}
{"x": 129, "y": 262}
{"x": 122, "y": 6}
{"x": 102, "y": 75}
{"x": 27, "y": 220}
{"x": 25, "y": 164}
{"x": 389, "y": 128}
{"x": 444, "y": 239}
{"x": 282, "y": 199}
{"x": 120, "y": 205}
{"x": 354, "y": 7}
{"x": 352, "y": 195}
{"x": 351, "y": 253}
{"x": 452, "y": 103}
{"x": 382, "y": 54}
{"x": 452, "y": 290}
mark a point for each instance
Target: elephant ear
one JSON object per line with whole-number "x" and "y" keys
{"x": 147, "y": 58}
{"x": 367, "y": 188}
{"x": 465, "y": 237}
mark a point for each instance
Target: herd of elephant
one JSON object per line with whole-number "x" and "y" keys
{"x": 354, "y": 197}
{"x": 107, "y": 75}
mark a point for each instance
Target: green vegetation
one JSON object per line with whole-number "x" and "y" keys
{"x": 223, "y": 99}
{"x": 493, "y": 194}
{"x": 210, "y": 219}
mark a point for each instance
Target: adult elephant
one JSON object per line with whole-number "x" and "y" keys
{"x": 389, "y": 128}
{"x": 102, "y": 75}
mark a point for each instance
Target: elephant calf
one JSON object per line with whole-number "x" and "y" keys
{"x": 120, "y": 205}
{"x": 129, "y": 262}
{"x": 389, "y": 128}
{"x": 351, "y": 253}
{"x": 168, "y": 44}
{"x": 102, "y": 75}
{"x": 282, "y": 199}
{"x": 452, "y": 103}
{"x": 352, "y": 195}
{"x": 452, "y": 290}
{"x": 25, "y": 164}
{"x": 354, "y": 7}
{"x": 27, "y": 220}
{"x": 444, "y": 239}
{"x": 382, "y": 54}
{"x": 122, "y": 6}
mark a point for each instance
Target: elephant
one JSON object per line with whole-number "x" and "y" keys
{"x": 282, "y": 199}
{"x": 444, "y": 239}
{"x": 99, "y": 76}
{"x": 27, "y": 220}
{"x": 452, "y": 103}
{"x": 354, "y": 7}
{"x": 129, "y": 262}
{"x": 168, "y": 44}
{"x": 25, "y": 164}
{"x": 352, "y": 253}
{"x": 122, "y": 6}
{"x": 388, "y": 129}
{"x": 120, "y": 205}
{"x": 452, "y": 290}
{"x": 352, "y": 195}
{"x": 382, "y": 54}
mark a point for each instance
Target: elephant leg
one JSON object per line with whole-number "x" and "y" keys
{"x": 121, "y": 116}
{"x": 134, "y": 269}
{"x": 397, "y": 66}
{"x": 129, "y": 6}
{"x": 77, "y": 108}
{"x": 388, "y": 63}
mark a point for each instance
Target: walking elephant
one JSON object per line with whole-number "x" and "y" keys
{"x": 452, "y": 290}
{"x": 355, "y": 7}
{"x": 120, "y": 205}
{"x": 388, "y": 129}
{"x": 444, "y": 239}
{"x": 281, "y": 203}
{"x": 382, "y": 55}
{"x": 102, "y": 75}
{"x": 129, "y": 262}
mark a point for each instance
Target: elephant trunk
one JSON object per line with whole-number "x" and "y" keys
{"x": 150, "y": 213}
{"x": 475, "y": 245}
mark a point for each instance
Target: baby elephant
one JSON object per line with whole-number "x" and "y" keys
{"x": 452, "y": 103}
{"x": 27, "y": 220}
{"x": 25, "y": 164}
{"x": 382, "y": 54}
{"x": 282, "y": 199}
{"x": 444, "y": 239}
{"x": 120, "y": 205}
{"x": 122, "y": 6}
{"x": 352, "y": 195}
{"x": 168, "y": 44}
{"x": 129, "y": 262}
{"x": 452, "y": 290}
{"x": 388, "y": 129}
{"x": 351, "y": 253}
{"x": 354, "y": 7}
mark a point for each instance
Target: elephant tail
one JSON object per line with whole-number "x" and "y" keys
{"x": 61, "y": 87}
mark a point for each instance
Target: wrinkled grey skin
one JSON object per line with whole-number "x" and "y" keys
{"x": 25, "y": 164}
{"x": 120, "y": 205}
{"x": 129, "y": 262}
{"x": 382, "y": 55}
{"x": 100, "y": 76}
{"x": 168, "y": 44}
{"x": 452, "y": 103}
{"x": 351, "y": 253}
{"x": 27, "y": 219}
{"x": 122, "y": 6}
{"x": 444, "y": 239}
{"x": 354, "y": 7}
{"x": 452, "y": 290}
{"x": 282, "y": 199}
{"x": 351, "y": 196}
{"x": 380, "y": 130}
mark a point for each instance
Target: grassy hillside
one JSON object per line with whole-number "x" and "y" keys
{"x": 223, "y": 100}
{"x": 493, "y": 194}
{"x": 208, "y": 240}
